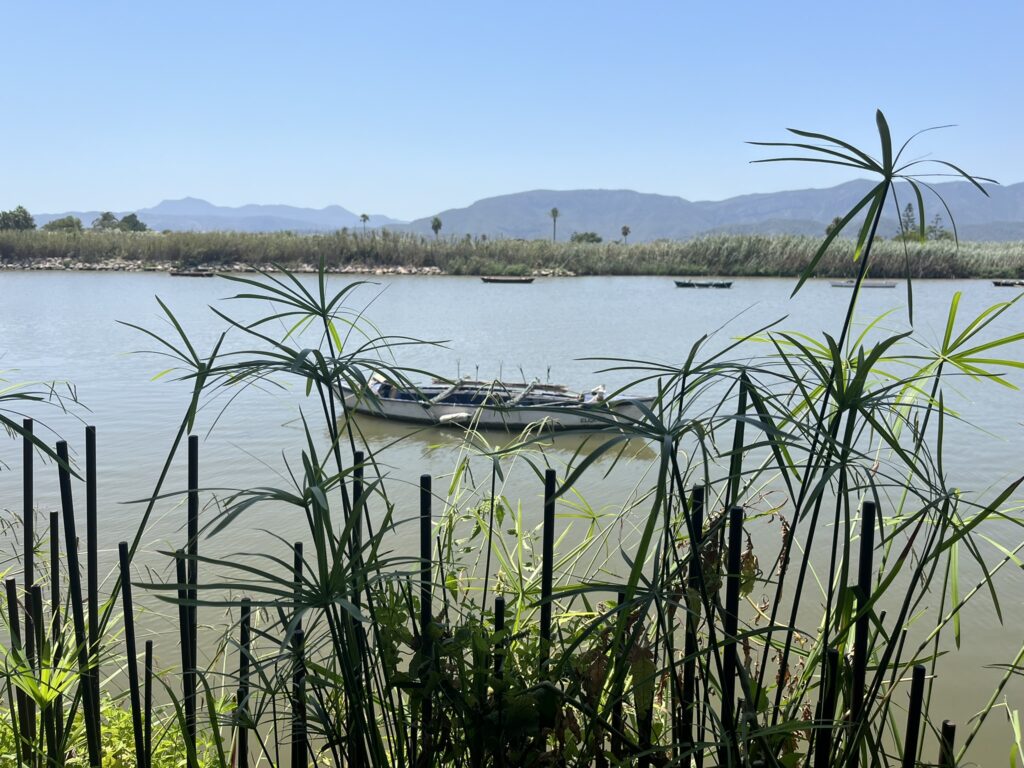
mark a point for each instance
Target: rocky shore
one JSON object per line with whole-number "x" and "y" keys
{"x": 124, "y": 265}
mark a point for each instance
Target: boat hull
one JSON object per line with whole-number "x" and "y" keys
{"x": 508, "y": 418}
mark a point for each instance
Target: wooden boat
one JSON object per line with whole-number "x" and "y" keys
{"x": 506, "y": 279}
{"x": 492, "y": 404}
{"x": 1008, "y": 283}
{"x": 865, "y": 284}
{"x": 703, "y": 283}
{"x": 191, "y": 273}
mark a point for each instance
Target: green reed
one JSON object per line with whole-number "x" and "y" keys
{"x": 733, "y": 255}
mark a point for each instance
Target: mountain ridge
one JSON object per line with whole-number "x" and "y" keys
{"x": 649, "y": 216}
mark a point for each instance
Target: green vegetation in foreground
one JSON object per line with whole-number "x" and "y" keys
{"x": 660, "y": 646}
{"x": 726, "y": 255}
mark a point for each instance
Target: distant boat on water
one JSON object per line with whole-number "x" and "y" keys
{"x": 703, "y": 283}
{"x": 191, "y": 273}
{"x": 865, "y": 284}
{"x": 506, "y": 279}
{"x": 1008, "y": 283}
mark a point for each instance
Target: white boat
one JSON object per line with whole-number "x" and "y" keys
{"x": 493, "y": 404}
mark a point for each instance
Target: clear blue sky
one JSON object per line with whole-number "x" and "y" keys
{"x": 409, "y": 108}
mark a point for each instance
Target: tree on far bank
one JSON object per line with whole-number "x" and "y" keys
{"x": 937, "y": 229}
{"x": 834, "y": 225}
{"x": 131, "y": 223}
{"x": 71, "y": 225}
{"x": 105, "y": 222}
{"x": 19, "y": 218}
{"x": 908, "y": 224}
{"x": 585, "y": 237}
{"x": 554, "y": 224}
{"x": 435, "y": 224}
{"x": 625, "y": 234}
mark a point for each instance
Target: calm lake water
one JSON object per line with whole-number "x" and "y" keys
{"x": 65, "y": 326}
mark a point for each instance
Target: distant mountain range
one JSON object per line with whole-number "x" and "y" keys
{"x": 998, "y": 217}
{"x": 193, "y": 214}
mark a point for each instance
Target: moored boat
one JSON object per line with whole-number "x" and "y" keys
{"x": 1008, "y": 283}
{"x": 703, "y": 283}
{"x": 506, "y": 279}
{"x": 191, "y": 273}
{"x": 492, "y": 404}
{"x": 865, "y": 284}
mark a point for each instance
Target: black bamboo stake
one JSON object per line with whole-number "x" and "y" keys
{"x": 92, "y": 568}
{"x": 28, "y": 515}
{"x": 730, "y": 626}
{"x": 56, "y": 629}
{"x": 28, "y": 501}
{"x": 618, "y": 748}
{"x": 823, "y": 736}
{"x": 914, "y": 717}
{"x": 499, "y": 673}
{"x": 357, "y": 524}
{"x": 865, "y": 575}
{"x": 297, "y": 580}
{"x": 148, "y": 693}
{"x": 133, "y": 660}
{"x": 49, "y": 719}
{"x": 690, "y": 646}
{"x": 547, "y": 567}
{"x": 187, "y": 664}
{"x": 300, "y": 752}
{"x": 89, "y": 702}
{"x": 192, "y": 549}
{"x": 244, "y": 648}
{"x": 426, "y": 613}
{"x": 947, "y": 758}
{"x": 24, "y": 748}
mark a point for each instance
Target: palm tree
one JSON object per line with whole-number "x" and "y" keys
{"x": 364, "y": 218}
{"x": 625, "y": 233}
{"x": 554, "y": 224}
{"x": 435, "y": 225}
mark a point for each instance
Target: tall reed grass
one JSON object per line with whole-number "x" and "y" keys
{"x": 736, "y": 255}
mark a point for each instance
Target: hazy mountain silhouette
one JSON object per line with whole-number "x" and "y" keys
{"x": 999, "y": 217}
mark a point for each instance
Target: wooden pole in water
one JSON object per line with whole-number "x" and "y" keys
{"x": 130, "y": 649}
{"x": 689, "y": 703}
{"x": 187, "y": 663}
{"x": 23, "y": 746}
{"x": 89, "y": 703}
{"x": 300, "y": 752}
{"x": 865, "y": 575}
{"x": 244, "y": 650}
{"x": 148, "y": 692}
{"x": 823, "y": 736}
{"x": 92, "y": 567}
{"x": 56, "y": 629}
{"x": 618, "y": 722}
{"x": 426, "y": 612}
{"x": 730, "y": 625}
{"x": 28, "y": 502}
{"x": 913, "y": 731}
{"x": 947, "y": 758}
{"x": 192, "y": 549}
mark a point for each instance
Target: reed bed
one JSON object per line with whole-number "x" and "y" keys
{"x": 725, "y": 255}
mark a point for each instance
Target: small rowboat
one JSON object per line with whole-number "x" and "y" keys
{"x": 506, "y": 279}
{"x": 865, "y": 284}
{"x": 191, "y": 273}
{"x": 492, "y": 404}
{"x": 703, "y": 283}
{"x": 1008, "y": 283}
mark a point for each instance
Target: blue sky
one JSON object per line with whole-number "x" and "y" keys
{"x": 409, "y": 108}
